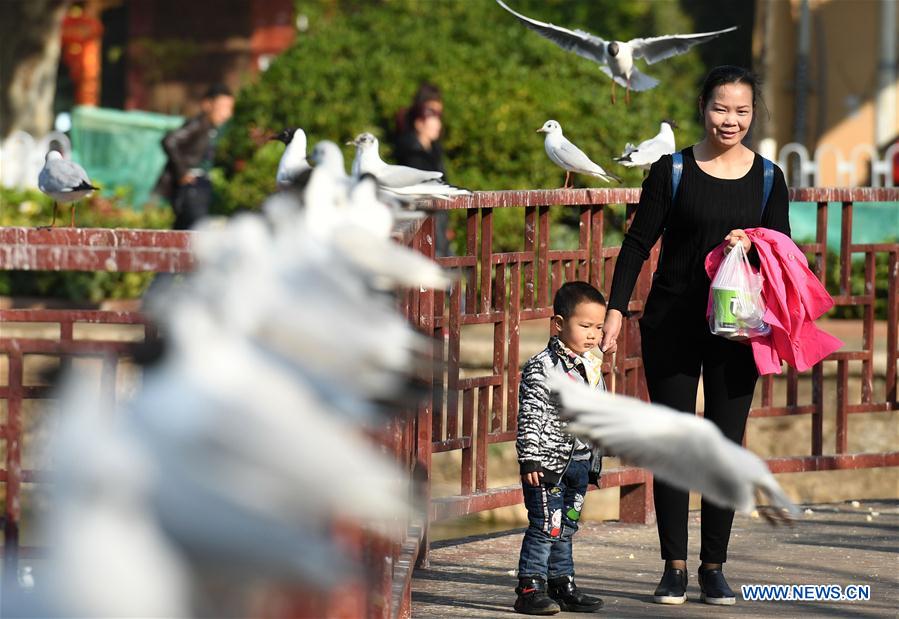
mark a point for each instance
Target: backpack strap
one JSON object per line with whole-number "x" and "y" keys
{"x": 768, "y": 182}
{"x": 677, "y": 169}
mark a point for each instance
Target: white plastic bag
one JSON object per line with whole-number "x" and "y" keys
{"x": 736, "y": 298}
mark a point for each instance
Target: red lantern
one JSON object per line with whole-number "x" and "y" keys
{"x": 81, "y": 40}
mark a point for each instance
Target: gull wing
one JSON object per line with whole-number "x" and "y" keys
{"x": 682, "y": 449}
{"x": 655, "y": 49}
{"x": 579, "y": 42}
{"x": 403, "y": 176}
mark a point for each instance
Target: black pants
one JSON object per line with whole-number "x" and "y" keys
{"x": 674, "y": 353}
{"x": 191, "y": 203}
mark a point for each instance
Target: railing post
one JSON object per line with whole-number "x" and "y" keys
{"x": 635, "y": 504}
{"x": 424, "y": 321}
{"x": 12, "y": 510}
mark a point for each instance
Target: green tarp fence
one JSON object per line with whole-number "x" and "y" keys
{"x": 121, "y": 150}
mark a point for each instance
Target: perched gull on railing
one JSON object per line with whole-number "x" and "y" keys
{"x": 399, "y": 180}
{"x": 616, "y": 58}
{"x": 64, "y": 181}
{"x": 568, "y": 156}
{"x": 649, "y": 151}
{"x": 686, "y": 451}
{"x": 293, "y": 162}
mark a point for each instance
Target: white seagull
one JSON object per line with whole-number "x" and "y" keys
{"x": 649, "y": 151}
{"x": 399, "y": 180}
{"x": 283, "y": 353}
{"x": 683, "y": 450}
{"x": 568, "y": 156}
{"x": 293, "y": 162}
{"x": 64, "y": 181}
{"x": 616, "y": 58}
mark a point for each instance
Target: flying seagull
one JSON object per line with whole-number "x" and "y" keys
{"x": 649, "y": 151}
{"x": 684, "y": 450}
{"x": 616, "y": 58}
{"x": 64, "y": 181}
{"x": 568, "y": 156}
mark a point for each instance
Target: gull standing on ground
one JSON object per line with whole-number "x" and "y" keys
{"x": 649, "y": 151}
{"x": 616, "y": 58}
{"x": 684, "y": 450}
{"x": 568, "y": 156}
{"x": 399, "y": 180}
{"x": 293, "y": 162}
{"x": 64, "y": 181}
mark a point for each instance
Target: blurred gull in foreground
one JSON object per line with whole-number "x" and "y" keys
{"x": 568, "y": 156}
{"x": 684, "y": 450}
{"x": 649, "y": 151}
{"x": 248, "y": 433}
{"x": 616, "y": 58}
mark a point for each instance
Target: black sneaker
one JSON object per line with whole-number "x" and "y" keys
{"x": 532, "y": 598}
{"x": 563, "y": 590}
{"x": 714, "y": 588}
{"x": 672, "y": 588}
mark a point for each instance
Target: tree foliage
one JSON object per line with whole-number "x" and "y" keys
{"x": 29, "y": 55}
{"x": 360, "y": 62}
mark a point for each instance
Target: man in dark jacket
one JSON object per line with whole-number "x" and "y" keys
{"x": 190, "y": 148}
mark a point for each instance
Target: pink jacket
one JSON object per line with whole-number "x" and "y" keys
{"x": 794, "y": 298}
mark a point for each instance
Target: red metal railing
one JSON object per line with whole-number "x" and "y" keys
{"x": 389, "y": 563}
{"x": 506, "y": 288}
{"x": 76, "y": 250}
{"x": 501, "y": 289}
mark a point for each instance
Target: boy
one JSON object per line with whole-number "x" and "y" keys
{"x": 556, "y": 467}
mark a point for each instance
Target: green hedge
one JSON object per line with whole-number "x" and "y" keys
{"x": 359, "y": 62}
{"x": 32, "y": 208}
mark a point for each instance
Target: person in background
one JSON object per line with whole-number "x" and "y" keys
{"x": 418, "y": 146}
{"x": 184, "y": 181}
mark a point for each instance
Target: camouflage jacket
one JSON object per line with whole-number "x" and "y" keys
{"x": 542, "y": 443}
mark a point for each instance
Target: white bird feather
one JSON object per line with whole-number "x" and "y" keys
{"x": 681, "y": 449}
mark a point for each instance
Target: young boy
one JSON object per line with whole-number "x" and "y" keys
{"x": 556, "y": 467}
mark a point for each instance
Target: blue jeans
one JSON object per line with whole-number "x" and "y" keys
{"x": 553, "y": 514}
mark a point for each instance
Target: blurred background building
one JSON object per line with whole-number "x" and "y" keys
{"x": 160, "y": 55}
{"x": 830, "y": 85}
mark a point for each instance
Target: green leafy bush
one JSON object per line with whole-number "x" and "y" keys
{"x": 32, "y": 208}
{"x": 360, "y": 62}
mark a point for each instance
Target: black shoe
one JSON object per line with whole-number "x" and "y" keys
{"x": 714, "y": 588}
{"x": 532, "y": 598}
{"x": 672, "y": 588}
{"x": 563, "y": 590}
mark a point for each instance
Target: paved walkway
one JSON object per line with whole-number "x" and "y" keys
{"x": 835, "y": 544}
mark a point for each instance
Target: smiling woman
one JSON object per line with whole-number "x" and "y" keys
{"x": 721, "y": 191}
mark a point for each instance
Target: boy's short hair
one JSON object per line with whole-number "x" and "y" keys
{"x": 572, "y": 293}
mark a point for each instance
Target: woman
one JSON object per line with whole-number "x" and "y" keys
{"x": 720, "y": 194}
{"x": 418, "y": 146}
